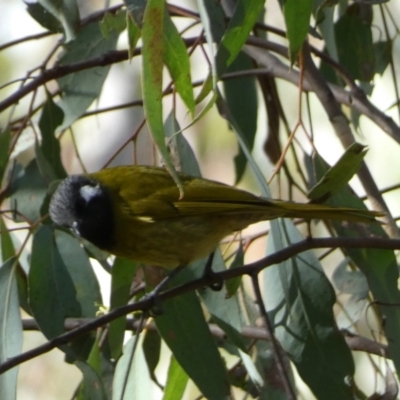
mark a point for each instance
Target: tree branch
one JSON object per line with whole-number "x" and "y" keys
{"x": 145, "y": 304}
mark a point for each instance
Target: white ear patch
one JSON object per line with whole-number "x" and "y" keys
{"x": 88, "y": 192}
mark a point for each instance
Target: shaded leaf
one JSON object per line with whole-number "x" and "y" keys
{"x": 152, "y": 349}
{"x": 30, "y": 192}
{"x": 299, "y": 299}
{"x": 185, "y": 331}
{"x": 177, "y": 61}
{"x": 122, "y": 274}
{"x": 80, "y": 89}
{"x": 383, "y": 54}
{"x": 355, "y": 55}
{"x": 49, "y": 152}
{"x": 91, "y": 387}
{"x": 244, "y": 107}
{"x": 132, "y": 379}
{"x": 5, "y": 140}
{"x": 297, "y": 15}
{"x": 232, "y": 285}
{"x": 152, "y": 67}
{"x": 44, "y": 17}
{"x": 52, "y": 294}
{"x": 382, "y": 281}
{"x": 113, "y": 23}
{"x": 67, "y": 13}
{"x": 10, "y": 327}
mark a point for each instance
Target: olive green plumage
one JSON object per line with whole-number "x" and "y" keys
{"x": 135, "y": 212}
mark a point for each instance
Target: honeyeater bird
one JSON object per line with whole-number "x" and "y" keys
{"x": 136, "y": 212}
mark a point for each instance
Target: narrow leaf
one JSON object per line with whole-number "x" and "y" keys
{"x": 122, "y": 274}
{"x": 10, "y": 327}
{"x": 340, "y": 174}
{"x": 152, "y": 59}
{"x": 82, "y": 88}
{"x": 177, "y": 61}
{"x": 297, "y": 15}
{"x": 52, "y": 294}
{"x": 176, "y": 381}
{"x": 185, "y": 331}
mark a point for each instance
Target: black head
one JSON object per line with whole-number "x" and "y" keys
{"x": 84, "y": 205}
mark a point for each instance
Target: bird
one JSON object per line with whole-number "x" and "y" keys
{"x": 138, "y": 213}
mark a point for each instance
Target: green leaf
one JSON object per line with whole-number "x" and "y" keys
{"x": 6, "y": 245}
{"x": 133, "y": 34}
{"x": 232, "y": 285}
{"x": 152, "y": 67}
{"x": 300, "y": 299}
{"x": 52, "y": 294}
{"x": 356, "y": 55}
{"x": 243, "y": 107}
{"x": 67, "y": 13}
{"x": 185, "y": 331}
{"x": 44, "y": 17}
{"x": 5, "y": 141}
{"x": 10, "y": 327}
{"x": 113, "y": 23}
{"x": 179, "y": 147}
{"x": 81, "y": 272}
{"x": 177, "y": 61}
{"x": 382, "y": 281}
{"x": 297, "y": 15}
{"x": 340, "y": 174}
{"x": 176, "y": 381}
{"x": 245, "y": 15}
{"x": 383, "y": 55}
{"x": 122, "y": 274}
{"x": 29, "y": 193}
{"x": 80, "y": 89}
{"x": 132, "y": 379}
{"x": 91, "y": 387}
{"x": 48, "y": 154}
{"x": 151, "y": 350}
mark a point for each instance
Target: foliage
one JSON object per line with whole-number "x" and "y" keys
{"x": 218, "y": 61}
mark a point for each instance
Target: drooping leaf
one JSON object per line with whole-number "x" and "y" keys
{"x": 340, "y": 174}
{"x": 48, "y": 153}
{"x": 52, "y": 294}
{"x": 122, "y": 274}
{"x": 67, "y": 13}
{"x": 355, "y": 55}
{"x": 176, "y": 381}
{"x": 382, "y": 281}
{"x": 5, "y": 140}
{"x": 185, "y": 331}
{"x": 177, "y": 61}
{"x": 91, "y": 387}
{"x": 29, "y": 191}
{"x": 297, "y": 15}
{"x": 44, "y": 17}
{"x": 299, "y": 299}
{"x": 80, "y": 89}
{"x": 152, "y": 67}
{"x": 132, "y": 380}
{"x": 152, "y": 351}
{"x": 112, "y": 23}
{"x": 10, "y": 327}
{"x": 244, "y": 107}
